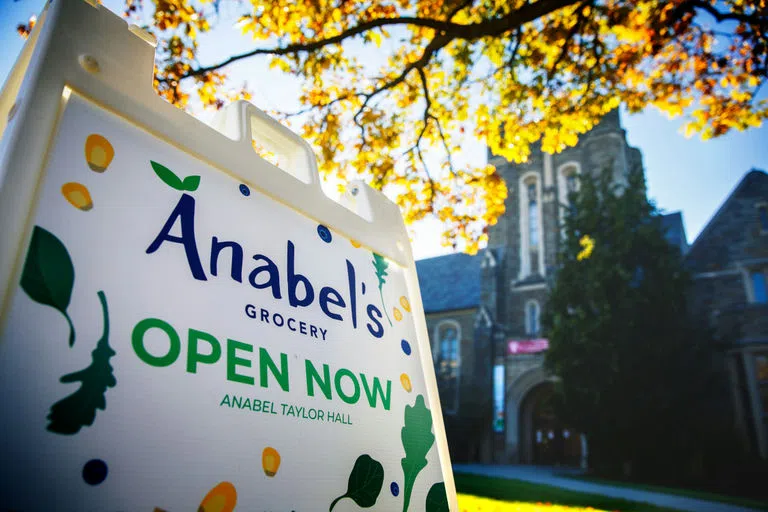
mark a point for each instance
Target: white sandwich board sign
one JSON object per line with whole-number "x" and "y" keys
{"x": 185, "y": 326}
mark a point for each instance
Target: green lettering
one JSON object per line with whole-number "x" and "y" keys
{"x": 266, "y": 363}
{"x": 371, "y": 394}
{"x": 137, "y": 339}
{"x": 194, "y": 357}
{"x": 225, "y": 401}
{"x": 324, "y": 383}
{"x": 237, "y": 401}
{"x": 233, "y": 362}
{"x": 355, "y": 396}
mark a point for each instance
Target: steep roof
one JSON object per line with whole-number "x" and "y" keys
{"x": 450, "y": 282}
{"x": 729, "y": 235}
{"x": 672, "y": 223}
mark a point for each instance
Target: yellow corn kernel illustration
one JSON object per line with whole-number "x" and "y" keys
{"x": 397, "y": 314}
{"x": 270, "y": 460}
{"x": 405, "y": 381}
{"x": 77, "y": 195}
{"x": 406, "y": 305}
{"x": 221, "y": 498}
{"x": 355, "y": 244}
{"x": 98, "y": 152}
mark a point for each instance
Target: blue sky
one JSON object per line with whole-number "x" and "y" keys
{"x": 682, "y": 174}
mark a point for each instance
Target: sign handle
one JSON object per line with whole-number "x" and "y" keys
{"x": 273, "y": 142}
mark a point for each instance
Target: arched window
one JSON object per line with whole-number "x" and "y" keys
{"x": 447, "y": 356}
{"x": 531, "y": 239}
{"x": 533, "y": 216}
{"x": 567, "y": 184}
{"x": 532, "y": 315}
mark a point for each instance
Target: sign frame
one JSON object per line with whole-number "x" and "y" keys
{"x": 80, "y": 48}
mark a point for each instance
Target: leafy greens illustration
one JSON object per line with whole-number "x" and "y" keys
{"x": 417, "y": 439}
{"x": 70, "y": 414}
{"x": 170, "y": 178}
{"x": 365, "y": 482}
{"x": 437, "y": 500}
{"x": 49, "y": 276}
{"x": 381, "y": 265}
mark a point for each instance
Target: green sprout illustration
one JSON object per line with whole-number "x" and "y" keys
{"x": 189, "y": 184}
{"x": 417, "y": 439}
{"x": 49, "y": 276}
{"x": 365, "y": 482}
{"x": 381, "y": 265}
{"x": 78, "y": 410}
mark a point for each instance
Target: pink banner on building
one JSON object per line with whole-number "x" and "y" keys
{"x": 527, "y": 346}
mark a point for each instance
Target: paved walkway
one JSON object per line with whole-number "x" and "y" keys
{"x": 550, "y": 476}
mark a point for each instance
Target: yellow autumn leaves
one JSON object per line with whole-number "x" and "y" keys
{"x": 587, "y": 244}
{"x": 390, "y": 89}
{"x": 469, "y": 503}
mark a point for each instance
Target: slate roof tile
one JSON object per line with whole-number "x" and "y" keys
{"x": 450, "y": 282}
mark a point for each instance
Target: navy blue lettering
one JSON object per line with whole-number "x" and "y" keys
{"x": 185, "y": 210}
{"x": 352, "y": 293}
{"x": 237, "y": 258}
{"x": 378, "y": 330}
{"x": 330, "y": 296}
{"x": 274, "y": 275}
{"x": 293, "y": 281}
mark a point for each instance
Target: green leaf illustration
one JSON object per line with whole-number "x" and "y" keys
{"x": 49, "y": 276}
{"x": 191, "y": 183}
{"x": 380, "y": 265}
{"x": 69, "y": 415}
{"x": 437, "y": 500}
{"x": 168, "y": 176}
{"x": 365, "y": 482}
{"x": 417, "y": 439}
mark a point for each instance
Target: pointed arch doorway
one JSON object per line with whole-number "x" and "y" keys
{"x": 544, "y": 438}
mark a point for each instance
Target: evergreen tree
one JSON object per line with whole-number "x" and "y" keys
{"x": 636, "y": 373}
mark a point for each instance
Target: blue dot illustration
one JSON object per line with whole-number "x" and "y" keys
{"x": 245, "y": 190}
{"x": 394, "y": 488}
{"x": 406, "y": 347}
{"x": 95, "y": 471}
{"x": 325, "y": 234}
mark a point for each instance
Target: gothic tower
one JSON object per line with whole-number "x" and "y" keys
{"x": 525, "y": 242}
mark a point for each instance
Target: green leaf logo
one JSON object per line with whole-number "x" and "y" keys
{"x": 380, "y": 265}
{"x": 417, "y": 439}
{"x": 365, "y": 482}
{"x": 191, "y": 183}
{"x": 49, "y": 276}
{"x": 170, "y": 178}
{"x": 437, "y": 500}
{"x": 69, "y": 415}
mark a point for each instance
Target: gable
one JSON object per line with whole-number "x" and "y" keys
{"x": 733, "y": 233}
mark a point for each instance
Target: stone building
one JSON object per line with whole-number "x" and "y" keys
{"x": 483, "y": 311}
{"x": 729, "y": 263}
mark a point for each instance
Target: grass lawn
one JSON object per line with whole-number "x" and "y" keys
{"x": 519, "y": 491}
{"x": 688, "y": 493}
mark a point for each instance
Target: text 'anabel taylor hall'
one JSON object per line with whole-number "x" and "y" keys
{"x": 493, "y": 387}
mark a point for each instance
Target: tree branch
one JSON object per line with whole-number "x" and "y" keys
{"x": 446, "y": 29}
{"x": 750, "y": 19}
